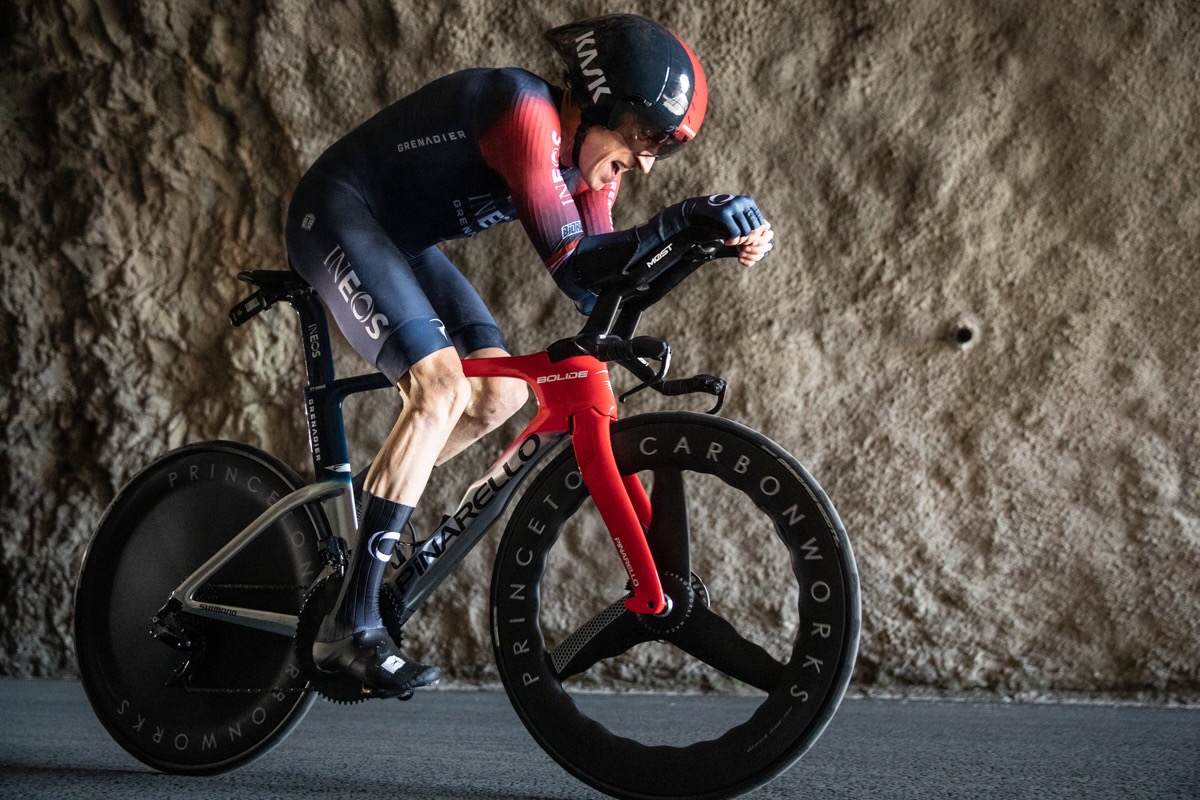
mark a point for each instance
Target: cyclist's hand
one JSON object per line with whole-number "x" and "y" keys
{"x": 734, "y": 215}
{"x": 754, "y": 247}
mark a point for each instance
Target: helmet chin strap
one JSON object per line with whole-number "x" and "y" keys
{"x": 580, "y": 134}
{"x": 580, "y": 130}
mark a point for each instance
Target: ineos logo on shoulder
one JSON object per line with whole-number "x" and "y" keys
{"x": 719, "y": 199}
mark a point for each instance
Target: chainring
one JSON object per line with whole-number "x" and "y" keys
{"x": 390, "y": 609}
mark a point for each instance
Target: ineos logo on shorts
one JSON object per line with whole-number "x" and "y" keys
{"x": 362, "y": 305}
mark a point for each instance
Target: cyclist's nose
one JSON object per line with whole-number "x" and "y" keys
{"x": 645, "y": 163}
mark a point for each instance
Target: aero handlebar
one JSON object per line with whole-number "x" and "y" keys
{"x": 625, "y": 293}
{"x": 628, "y": 290}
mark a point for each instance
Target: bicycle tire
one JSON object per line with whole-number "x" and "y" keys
{"x": 538, "y": 654}
{"x": 168, "y": 520}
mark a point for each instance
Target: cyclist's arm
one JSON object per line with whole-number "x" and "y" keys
{"x": 596, "y": 207}
{"x": 521, "y": 145}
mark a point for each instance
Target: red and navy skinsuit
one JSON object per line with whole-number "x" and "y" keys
{"x": 468, "y": 151}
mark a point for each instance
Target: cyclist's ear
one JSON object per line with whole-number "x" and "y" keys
{"x": 645, "y": 163}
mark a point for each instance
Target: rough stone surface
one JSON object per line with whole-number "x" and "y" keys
{"x": 1024, "y": 505}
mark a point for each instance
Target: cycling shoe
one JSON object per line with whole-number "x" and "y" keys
{"x": 373, "y": 658}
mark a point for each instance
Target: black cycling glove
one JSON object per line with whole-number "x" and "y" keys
{"x": 733, "y": 214}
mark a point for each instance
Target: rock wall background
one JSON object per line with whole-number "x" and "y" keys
{"x": 1025, "y": 506}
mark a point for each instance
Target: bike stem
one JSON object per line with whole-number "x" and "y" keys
{"x": 575, "y": 395}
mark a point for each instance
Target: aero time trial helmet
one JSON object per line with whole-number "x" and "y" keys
{"x": 630, "y": 74}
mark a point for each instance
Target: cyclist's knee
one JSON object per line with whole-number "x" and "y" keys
{"x": 437, "y": 391}
{"x": 497, "y": 399}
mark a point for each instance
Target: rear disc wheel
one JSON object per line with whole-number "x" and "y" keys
{"x": 238, "y": 691}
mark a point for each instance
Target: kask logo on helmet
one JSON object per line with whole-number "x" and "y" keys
{"x": 622, "y": 65}
{"x": 587, "y": 56}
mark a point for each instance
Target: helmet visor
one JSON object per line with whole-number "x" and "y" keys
{"x": 644, "y": 133}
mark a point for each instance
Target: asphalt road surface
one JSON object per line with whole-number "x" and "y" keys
{"x": 455, "y": 745}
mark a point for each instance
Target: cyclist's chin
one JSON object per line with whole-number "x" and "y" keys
{"x": 599, "y": 178}
{"x": 601, "y": 173}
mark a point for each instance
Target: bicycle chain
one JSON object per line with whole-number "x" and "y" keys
{"x": 277, "y": 690}
{"x": 211, "y": 593}
{"x": 332, "y": 690}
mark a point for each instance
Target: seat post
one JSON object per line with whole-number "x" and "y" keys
{"x": 314, "y": 338}
{"x": 324, "y": 394}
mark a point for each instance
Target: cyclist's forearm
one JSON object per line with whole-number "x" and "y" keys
{"x": 614, "y": 251}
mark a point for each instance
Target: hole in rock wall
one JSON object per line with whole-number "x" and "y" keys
{"x": 964, "y": 332}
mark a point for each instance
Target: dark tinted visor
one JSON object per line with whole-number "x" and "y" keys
{"x": 644, "y": 134}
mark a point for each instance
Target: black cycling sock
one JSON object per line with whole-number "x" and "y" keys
{"x": 358, "y": 604}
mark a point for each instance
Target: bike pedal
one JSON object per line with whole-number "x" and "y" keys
{"x": 369, "y": 694}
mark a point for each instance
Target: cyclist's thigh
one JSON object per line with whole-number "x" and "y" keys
{"x": 367, "y": 283}
{"x": 469, "y": 323}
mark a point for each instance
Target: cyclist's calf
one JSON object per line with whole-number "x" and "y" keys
{"x": 444, "y": 413}
{"x": 436, "y": 393}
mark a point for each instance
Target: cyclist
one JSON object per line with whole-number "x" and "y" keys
{"x": 468, "y": 151}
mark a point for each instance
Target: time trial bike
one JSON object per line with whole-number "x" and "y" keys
{"x": 704, "y": 556}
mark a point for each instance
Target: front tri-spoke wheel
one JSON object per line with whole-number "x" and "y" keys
{"x": 759, "y": 641}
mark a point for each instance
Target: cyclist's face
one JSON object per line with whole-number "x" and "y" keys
{"x": 606, "y": 154}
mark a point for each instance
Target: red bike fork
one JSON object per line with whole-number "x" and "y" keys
{"x": 575, "y": 394}
{"x": 623, "y": 505}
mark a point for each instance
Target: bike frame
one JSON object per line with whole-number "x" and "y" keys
{"x": 575, "y": 400}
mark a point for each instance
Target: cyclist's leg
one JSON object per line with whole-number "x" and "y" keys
{"x": 353, "y": 639}
{"x": 435, "y": 395}
{"x": 369, "y": 287}
{"x": 409, "y": 316}
{"x": 475, "y": 334}
{"x": 493, "y": 401}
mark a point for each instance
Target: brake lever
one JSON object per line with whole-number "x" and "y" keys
{"x": 702, "y": 384}
{"x": 650, "y": 379}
